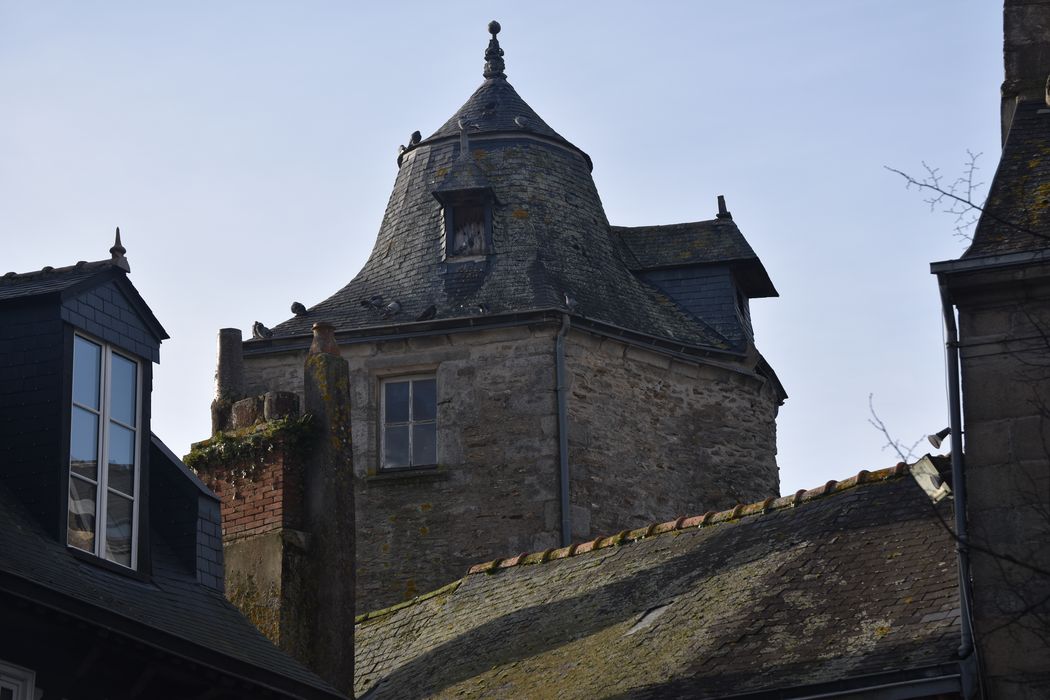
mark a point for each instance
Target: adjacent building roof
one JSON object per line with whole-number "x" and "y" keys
{"x": 171, "y": 611}
{"x": 1016, "y": 216}
{"x": 850, "y": 585}
{"x": 552, "y": 245}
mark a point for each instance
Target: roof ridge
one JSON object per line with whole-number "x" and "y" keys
{"x": 738, "y": 511}
{"x": 48, "y": 270}
{"x": 447, "y": 588}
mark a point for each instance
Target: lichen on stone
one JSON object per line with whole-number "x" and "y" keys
{"x": 248, "y": 448}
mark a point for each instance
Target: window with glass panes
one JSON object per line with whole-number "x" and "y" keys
{"x": 409, "y": 422}
{"x": 103, "y": 452}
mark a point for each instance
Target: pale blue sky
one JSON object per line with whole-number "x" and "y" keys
{"x": 247, "y": 151}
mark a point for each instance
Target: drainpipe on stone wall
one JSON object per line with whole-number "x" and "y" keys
{"x": 563, "y": 429}
{"x": 967, "y": 650}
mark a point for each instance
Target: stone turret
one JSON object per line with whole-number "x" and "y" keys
{"x": 524, "y": 374}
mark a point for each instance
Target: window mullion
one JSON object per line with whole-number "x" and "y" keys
{"x": 411, "y": 384}
{"x": 103, "y": 463}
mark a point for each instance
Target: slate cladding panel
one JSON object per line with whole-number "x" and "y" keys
{"x": 550, "y": 238}
{"x": 104, "y": 311}
{"x": 33, "y": 380}
{"x": 1016, "y": 215}
{"x": 859, "y": 582}
{"x": 189, "y": 520}
{"x": 707, "y": 293}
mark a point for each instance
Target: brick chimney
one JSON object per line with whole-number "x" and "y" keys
{"x": 286, "y": 487}
{"x": 1026, "y": 54}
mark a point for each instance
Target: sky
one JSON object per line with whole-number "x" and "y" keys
{"x": 247, "y": 151}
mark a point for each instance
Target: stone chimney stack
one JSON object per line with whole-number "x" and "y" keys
{"x": 1026, "y": 54}
{"x": 329, "y": 510}
{"x": 229, "y": 377}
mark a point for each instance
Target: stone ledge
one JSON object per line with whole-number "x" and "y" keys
{"x": 437, "y": 473}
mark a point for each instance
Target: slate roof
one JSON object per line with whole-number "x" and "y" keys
{"x": 848, "y": 582}
{"x": 171, "y": 610}
{"x": 49, "y": 280}
{"x": 1016, "y": 215}
{"x": 495, "y": 106}
{"x": 71, "y": 279}
{"x": 550, "y": 236}
{"x": 717, "y": 241}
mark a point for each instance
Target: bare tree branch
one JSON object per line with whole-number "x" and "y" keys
{"x": 959, "y": 198}
{"x": 904, "y": 452}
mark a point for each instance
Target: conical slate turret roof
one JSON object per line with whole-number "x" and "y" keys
{"x": 549, "y": 243}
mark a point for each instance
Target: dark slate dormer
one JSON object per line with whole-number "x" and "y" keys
{"x": 83, "y": 326}
{"x": 706, "y": 267}
{"x": 192, "y": 524}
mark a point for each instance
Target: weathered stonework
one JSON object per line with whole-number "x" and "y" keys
{"x": 695, "y": 435}
{"x": 1005, "y": 356}
{"x": 263, "y": 541}
{"x": 652, "y": 437}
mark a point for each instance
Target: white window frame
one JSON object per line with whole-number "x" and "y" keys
{"x": 102, "y": 451}
{"x": 20, "y": 680}
{"x": 410, "y": 378}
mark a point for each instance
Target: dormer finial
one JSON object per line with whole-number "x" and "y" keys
{"x": 117, "y": 253}
{"x": 494, "y": 65}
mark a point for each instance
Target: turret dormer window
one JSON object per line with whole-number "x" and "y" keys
{"x": 104, "y": 448}
{"x": 468, "y": 228}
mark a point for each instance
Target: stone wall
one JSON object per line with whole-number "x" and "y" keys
{"x": 1006, "y": 399}
{"x": 496, "y": 488}
{"x": 652, "y": 438}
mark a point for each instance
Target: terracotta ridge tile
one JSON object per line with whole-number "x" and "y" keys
{"x": 737, "y": 512}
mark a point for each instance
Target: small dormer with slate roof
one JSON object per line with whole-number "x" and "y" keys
{"x": 79, "y": 345}
{"x": 516, "y": 359}
{"x": 706, "y": 267}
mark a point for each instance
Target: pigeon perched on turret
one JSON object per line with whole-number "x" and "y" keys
{"x": 298, "y": 309}
{"x": 392, "y": 309}
{"x": 261, "y": 331}
{"x": 373, "y": 302}
{"x": 415, "y": 138}
{"x": 428, "y": 313}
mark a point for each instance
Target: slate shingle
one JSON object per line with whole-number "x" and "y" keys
{"x": 859, "y": 582}
{"x": 550, "y": 236}
{"x": 1016, "y": 215}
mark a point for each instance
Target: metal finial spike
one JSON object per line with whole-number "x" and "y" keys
{"x": 117, "y": 254}
{"x": 494, "y": 65}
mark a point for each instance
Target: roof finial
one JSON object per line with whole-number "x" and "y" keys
{"x": 494, "y": 54}
{"x": 117, "y": 253}
{"x": 723, "y": 213}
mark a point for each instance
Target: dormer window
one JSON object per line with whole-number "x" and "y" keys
{"x": 104, "y": 448}
{"x": 468, "y": 228}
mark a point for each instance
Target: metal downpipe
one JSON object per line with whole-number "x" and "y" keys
{"x": 966, "y": 646}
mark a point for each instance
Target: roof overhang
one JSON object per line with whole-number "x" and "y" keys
{"x": 728, "y": 358}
